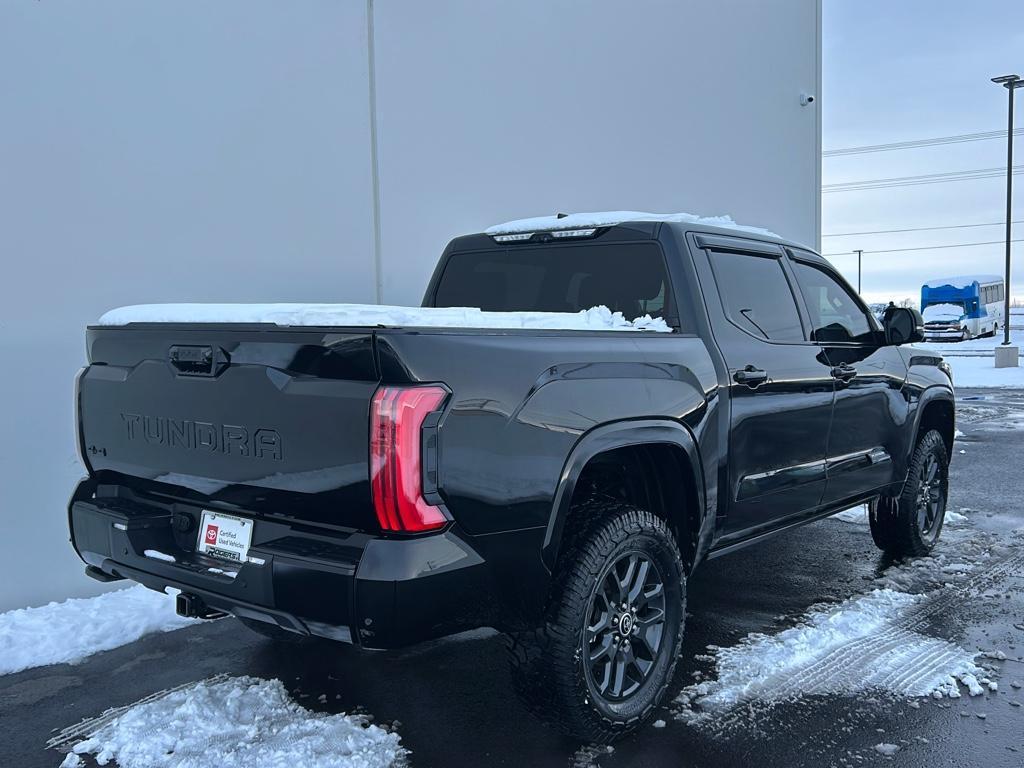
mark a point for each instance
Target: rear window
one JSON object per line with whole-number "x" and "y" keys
{"x": 630, "y": 279}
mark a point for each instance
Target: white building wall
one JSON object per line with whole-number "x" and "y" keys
{"x": 222, "y": 152}
{"x": 491, "y": 111}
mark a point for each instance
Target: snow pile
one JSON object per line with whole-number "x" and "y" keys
{"x": 943, "y": 313}
{"x": 238, "y": 721}
{"x": 379, "y": 315}
{"x": 962, "y": 281}
{"x": 859, "y": 516}
{"x": 67, "y": 632}
{"x": 611, "y": 218}
{"x": 864, "y": 643}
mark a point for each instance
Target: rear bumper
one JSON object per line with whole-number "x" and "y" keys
{"x": 352, "y": 587}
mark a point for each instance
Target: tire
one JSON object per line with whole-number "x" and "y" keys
{"x": 965, "y": 335}
{"x": 909, "y": 525}
{"x": 623, "y": 553}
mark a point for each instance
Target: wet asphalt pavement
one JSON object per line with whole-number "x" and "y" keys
{"x": 454, "y": 703}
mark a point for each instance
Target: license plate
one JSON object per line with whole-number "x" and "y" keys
{"x": 225, "y": 536}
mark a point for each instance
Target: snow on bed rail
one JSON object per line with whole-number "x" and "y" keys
{"x": 378, "y": 315}
{"x": 234, "y": 722}
{"x": 67, "y": 632}
{"x": 611, "y": 218}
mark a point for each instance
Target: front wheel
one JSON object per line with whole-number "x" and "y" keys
{"x": 606, "y": 653}
{"x": 909, "y": 524}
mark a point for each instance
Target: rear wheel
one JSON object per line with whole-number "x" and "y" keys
{"x": 607, "y": 651}
{"x": 910, "y": 524}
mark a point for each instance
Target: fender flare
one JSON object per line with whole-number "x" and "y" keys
{"x": 930, "y": 394}
{"x": 608, "y": 437}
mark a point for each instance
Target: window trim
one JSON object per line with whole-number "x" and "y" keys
{"x": 815, "y": 261}
{"x": 776, "y": 254}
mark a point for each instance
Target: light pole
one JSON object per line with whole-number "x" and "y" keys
{"x": 859, "y": 253}
{"x": 1011, "y": 83}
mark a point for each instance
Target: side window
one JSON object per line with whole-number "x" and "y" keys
{"x": 757, "y": 296}
{"x": 835, "y": 314}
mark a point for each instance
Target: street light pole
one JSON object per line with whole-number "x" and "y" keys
{"x": 1011, "y": 83}
{"x": 859, "y": 252}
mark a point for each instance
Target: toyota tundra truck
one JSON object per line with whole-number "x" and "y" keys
{"x": 381, "y": 484}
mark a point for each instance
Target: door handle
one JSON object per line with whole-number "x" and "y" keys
{"x": 844, "y": 372}
{"x": 751, "y": 376}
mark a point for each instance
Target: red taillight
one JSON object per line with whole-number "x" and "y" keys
{"x": 396, "y": 468}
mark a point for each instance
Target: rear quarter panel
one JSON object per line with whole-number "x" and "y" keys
{"x": 521, "y": 402}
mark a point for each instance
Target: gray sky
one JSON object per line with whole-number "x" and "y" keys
{"x": 899, "y": 71}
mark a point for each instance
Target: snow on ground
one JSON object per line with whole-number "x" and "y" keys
{"x": 869, "y": 642}
{"x": 973, "y": 361}
{"x": 379, "y": 315}
{"x": 67, "y": 632}
{"x": 611, "y": 218}
{"x": 981, "y": 372}
{"x": 235, "y": 721}
{"x": 859, "y": 516}
{"x": 861, "y": 644}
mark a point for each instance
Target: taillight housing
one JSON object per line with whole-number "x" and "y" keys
{"x": 396, "y": 461}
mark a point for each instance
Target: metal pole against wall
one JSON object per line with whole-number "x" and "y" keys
{"x": 1011, "y": 83}
{"x": 1010, "y": 88}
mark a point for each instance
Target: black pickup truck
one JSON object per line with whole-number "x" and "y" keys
{"x": 382, "y": 486}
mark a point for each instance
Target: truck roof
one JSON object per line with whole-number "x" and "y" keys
{"x": 520, "y": 229}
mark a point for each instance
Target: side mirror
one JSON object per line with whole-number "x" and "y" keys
{"x": 902, "y": 325}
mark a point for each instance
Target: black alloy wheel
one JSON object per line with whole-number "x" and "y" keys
{"x": 626, "y": 627}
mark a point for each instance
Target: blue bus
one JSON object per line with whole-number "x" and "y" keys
{"x": 959, "y": 308}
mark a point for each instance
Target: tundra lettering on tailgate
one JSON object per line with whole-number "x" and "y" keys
{"x": 204, "y": 436}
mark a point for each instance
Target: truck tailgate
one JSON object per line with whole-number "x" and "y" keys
{"x": 272, "y": 421}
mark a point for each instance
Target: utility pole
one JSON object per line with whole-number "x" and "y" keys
{"x": 859, "y": 253}
{"x": 1011, "y": 83}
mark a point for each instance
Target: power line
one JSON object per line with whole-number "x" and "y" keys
{"x": 939, "y": 140}
{"x": 913, "y": 181}
{"x": 928, "y": 247}
{"x": 920, "y": 229}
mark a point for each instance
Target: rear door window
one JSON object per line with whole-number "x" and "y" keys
{"x": 628, "y": 278}
{"x": 756, "y": 295}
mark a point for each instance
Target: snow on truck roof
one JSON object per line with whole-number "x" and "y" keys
{"x": 611, "y": 218}
{"x": 962, "y": 281}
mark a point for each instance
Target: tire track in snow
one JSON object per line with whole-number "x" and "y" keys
{"x": 860, "y": 664}
{"x": 861, "y": 655}
{"x": 67, "y": 737}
